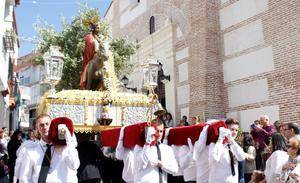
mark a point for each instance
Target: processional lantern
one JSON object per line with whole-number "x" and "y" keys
{"x": 53, "y": 62}
{"x": 150, "y": 78}
{"x": 150, "y": 73}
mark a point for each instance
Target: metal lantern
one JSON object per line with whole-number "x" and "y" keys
{"x": 125, "y": 81}
{"x": 150, "y": 73}
{"x": 53, "y": 61}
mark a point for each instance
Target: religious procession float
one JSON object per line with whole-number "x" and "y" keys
{"x": 102, "y": 106}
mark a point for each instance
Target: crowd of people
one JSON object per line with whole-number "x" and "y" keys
{"x": 267, "y": 153}
{"x": 9, "y": 144}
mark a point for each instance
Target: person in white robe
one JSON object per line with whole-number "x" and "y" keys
{"x": 64, "y": 160}
{"x": 126, "y": 155}
{"x": 187, "y": 163}
{"x": 201, "y": 157}
{"x": 148, "y": 167}
{"x": 184, "y": 158}
{"x": 277, "y": 160}
{"x": 288, "y": 174}
{"x": 224, "y": 157}
{"x": 177, "y": 153}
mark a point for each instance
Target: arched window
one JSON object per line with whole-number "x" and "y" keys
{"x": 152, "y": 24}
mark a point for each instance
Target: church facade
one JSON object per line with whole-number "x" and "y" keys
{"x": 225, "y": 58}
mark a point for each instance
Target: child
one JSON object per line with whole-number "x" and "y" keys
{"x": 257, "y": 177}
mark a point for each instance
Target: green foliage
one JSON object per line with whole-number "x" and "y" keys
{"x": 122, "y": 50}
{"x": 71, "y": 42}
{"x": 38, "y": 60}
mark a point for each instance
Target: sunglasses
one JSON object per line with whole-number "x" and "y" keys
{"x": 289, "y": 146}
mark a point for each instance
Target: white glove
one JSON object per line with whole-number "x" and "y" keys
{"x": 70, "y": 140}
{"x": 224, "y": 132}
{"x": 121, "y": 133}
{"x": 150, "y": 134}
{"x": 167, "y": 131}
{"x": 191, "y": 146}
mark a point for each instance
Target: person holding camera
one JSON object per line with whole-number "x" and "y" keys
{"x": 262, "y": 134}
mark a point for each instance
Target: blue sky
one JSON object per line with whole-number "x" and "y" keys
{"x": 50, "y": 11}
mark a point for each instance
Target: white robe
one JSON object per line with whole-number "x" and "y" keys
{"x": 201, "y": 157}
{"x": 177, "y": 154}
{"x": 187, "y": 164}
{"x": 20, "y": 155}
{"x": 63, "y": 167}
{"x": 274, "y": 166}
{"x": 145, "y": 169}
{"x": 127, "y": 156}
{"x": 219, "y": 162}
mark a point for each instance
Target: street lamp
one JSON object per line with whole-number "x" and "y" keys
{"x": 125, "y": 81}
{"x": 162, "y": 77}
{"x": 53, "y": 60}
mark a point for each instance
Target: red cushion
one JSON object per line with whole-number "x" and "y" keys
{"x": 213, "y": 132}
{"x": 179, "y": 135}
{"x": 53, "y": 129}
{"x": 133, "y": 135}
{"x": 110, "y": 137}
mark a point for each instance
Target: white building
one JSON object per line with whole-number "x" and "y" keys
{"x": 226, "y": 58}
{"x": 34, "y": 81}
{"x": 8, "y": 57}
{"x": 30, "y": 76}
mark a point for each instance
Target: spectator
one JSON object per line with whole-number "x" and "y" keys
{"x": 193, "y": 120}
{"x": 248, "y": 146}
{"x": 278, "y": 158}
{"x": 257, "y": 177}
{"x": 6, "y": 133}
{"x": 183, "y": 121}
{"x": 168, "y": 120}
{"x": 3, "y": 168}
{"x": 293, "y": 161}
{"x": 3, "y": 141}
{"x": 12, "y": 147}
{"x": 31, "y": 135}
{"x": 261, "y": 133}
{"x": 290, "y": 130}
{"x": 278, "y": 126}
